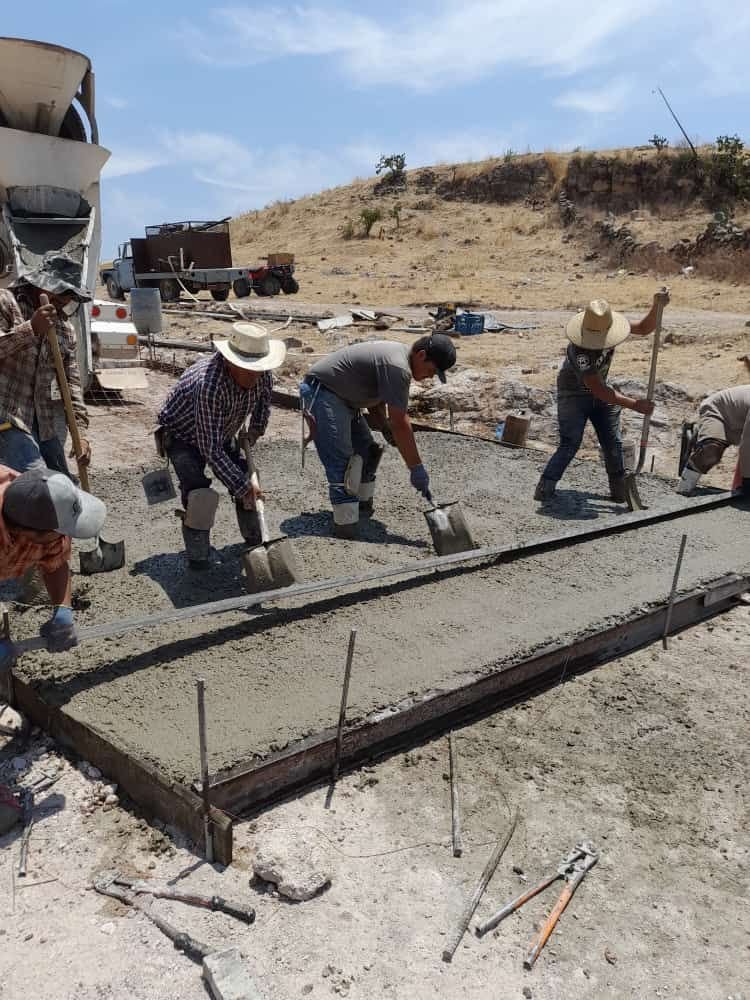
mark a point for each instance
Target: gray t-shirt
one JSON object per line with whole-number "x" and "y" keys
{"x": 364, "y": 375}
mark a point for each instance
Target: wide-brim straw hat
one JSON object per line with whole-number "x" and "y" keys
{"x": 251, "y": 347}
{"x": 598, "y": 327}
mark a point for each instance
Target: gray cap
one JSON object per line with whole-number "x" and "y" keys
{"x": 49, "y": 501}
{"x": 58, "y": 274}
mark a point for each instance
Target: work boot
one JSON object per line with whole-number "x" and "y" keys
{"x": 346, "y": 519}
{"x": 617, "y": 489}
{"x": 366, "y": 508}
{"x": 545, "y": 489}
{"x": 197, "y": 547}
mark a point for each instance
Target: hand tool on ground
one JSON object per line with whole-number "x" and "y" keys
{"x": 448, "y": 527}
{"x": 632, "y": 496}
{"x": 471, "y": 905}
{"x": 106, "y": 556}
{"x": 673, "y": 592}
{"x": 274, "y": 563}
{"x": 573, "y": 869}
{"x": 182, "y": 941}
{"x": 241, "y": 911}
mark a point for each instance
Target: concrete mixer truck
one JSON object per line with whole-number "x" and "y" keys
{"x": 50, "y": 163}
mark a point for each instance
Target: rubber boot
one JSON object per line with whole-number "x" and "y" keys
{"x": 617, "y": 489}
{"x": 197, "y": 547}
{"x": 346, "y": 520}
{"x": 545, "y": 489}
{"x": 248, "y": 524}
{"x": 366, "y": 499}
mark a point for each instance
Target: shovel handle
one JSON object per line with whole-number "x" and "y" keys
{"x": 646, "y": 426}
{"x": 70, "y": 416}
{"x": 260, "y": 507}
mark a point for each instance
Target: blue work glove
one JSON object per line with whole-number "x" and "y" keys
{"x": 60, "y": 631}
{"x": 7, "y": 655}
{"x": 420, "y": 480}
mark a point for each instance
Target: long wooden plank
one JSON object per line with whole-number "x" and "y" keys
{"x": 250, "y": 785}
{"x": 495, "y": 553}
{"x": 160, "y": 797}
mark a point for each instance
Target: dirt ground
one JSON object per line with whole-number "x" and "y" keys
{"x": 646, "y": 756}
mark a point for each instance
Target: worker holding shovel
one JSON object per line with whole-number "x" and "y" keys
{"x": 583, "y": 393}
{"x": 373, "y": 376}
{"x": 40, "y": 511}
{"x": 199, "y": 421}
{"x": 32, "y": 418}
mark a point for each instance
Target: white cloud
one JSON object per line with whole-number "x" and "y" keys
{"x": 123, "y": 163}
{"x": 428, "y": 47}
{"x": 603, "y": 100}
{"x": 118, "y": 103}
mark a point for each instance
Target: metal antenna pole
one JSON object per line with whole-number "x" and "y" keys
{"x": 679, "y": 125}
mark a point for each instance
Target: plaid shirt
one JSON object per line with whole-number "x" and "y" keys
{"x": 17, "y": 554}
{"x": 206, "y": 409}
{"x": 28, "y": 381}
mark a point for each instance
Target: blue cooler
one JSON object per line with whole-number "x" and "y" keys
{"x": 469, "y": 324}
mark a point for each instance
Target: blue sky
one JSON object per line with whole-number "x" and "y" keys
{"x": 212, "y": 110}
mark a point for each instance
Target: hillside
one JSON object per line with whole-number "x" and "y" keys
{"x": 532, "y": 231}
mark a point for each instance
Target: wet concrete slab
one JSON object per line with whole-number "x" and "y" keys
{"x": 274, "y": 679}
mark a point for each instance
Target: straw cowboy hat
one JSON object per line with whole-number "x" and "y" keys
{"x": 597, "y": 327}
{"x": 251, "y": 348}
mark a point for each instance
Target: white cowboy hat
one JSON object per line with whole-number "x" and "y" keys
{"x": 251, "y": 348}
{"x": 597, "y": 327}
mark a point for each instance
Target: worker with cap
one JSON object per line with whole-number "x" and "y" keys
{"x": 32, "y": 416}
{"x": 583, "y": 394}
{"x": 40, "y": 511}
{"x": 210, "y": 404}
{"x": 723, "y": 420}
{"x": 373, "y": 376}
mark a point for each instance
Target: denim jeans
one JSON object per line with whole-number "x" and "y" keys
{"x": 573, "y": 411}
{"x": 190, "y": 465}
{"x": 340, "y": 432}
{"x": 22, "y": 452}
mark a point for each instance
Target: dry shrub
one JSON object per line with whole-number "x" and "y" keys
{"x": 426, "y": 232}
{"x": 557, "y": 165}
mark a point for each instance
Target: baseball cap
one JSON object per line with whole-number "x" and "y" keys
{"x": 49, "y": 501}
{"x": 440, "y": 350}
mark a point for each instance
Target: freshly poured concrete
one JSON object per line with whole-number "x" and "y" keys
{"x": 275, "y": 679}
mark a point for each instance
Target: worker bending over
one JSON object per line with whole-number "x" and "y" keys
{"x": 583, "y": 393}
{"x": 40, "y": 511}
{"x": 32, "y": 416}
{"x": 723, "y": 419}
{"x": 373, "y": 376}
{"x": 197, "y": 425}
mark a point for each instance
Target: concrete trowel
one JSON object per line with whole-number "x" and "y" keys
{"x": 274, "y": 563}
{"x": 448, "y": 527}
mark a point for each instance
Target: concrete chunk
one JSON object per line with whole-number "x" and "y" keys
{"x": 228, "y": 978}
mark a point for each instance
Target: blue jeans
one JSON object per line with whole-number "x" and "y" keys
{"x": 340, "y": 432}
{"x": 190, "y": 465}
{"x": 23, "y": 452}
{"x": 573, "y": 411}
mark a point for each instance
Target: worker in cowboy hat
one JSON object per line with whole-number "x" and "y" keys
{"x": 208, "y": 406}
{"x": 583, "y": 393}
{"x": 31, "y": 410}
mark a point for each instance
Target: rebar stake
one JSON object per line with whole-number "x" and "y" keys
{"x": 673, "y": 592}
{"x": 200, "y": 685}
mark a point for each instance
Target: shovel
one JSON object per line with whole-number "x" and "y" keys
{"x": 274, "y": 563}
{"x": 448, "y": 527}
{"x": 632, "y": 496}
{"x": 106, "y": 556}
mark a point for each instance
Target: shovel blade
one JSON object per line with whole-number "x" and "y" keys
{"x": 105, "y": 558}
{"x": 158, "y": 486}
{"x": 271, "y": 566}
{"x": 449, "y": 530}
{"x": 632, "y": 496}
